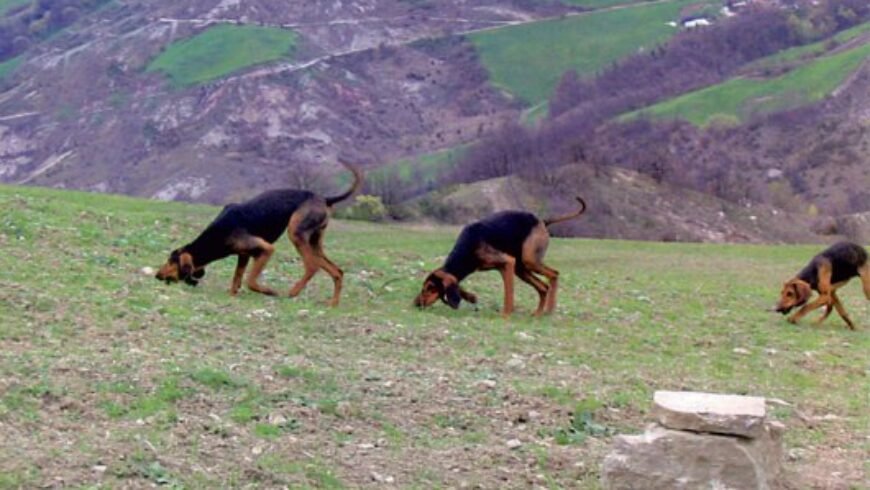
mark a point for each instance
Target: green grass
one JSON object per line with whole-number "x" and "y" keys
{"x": 599, "y": 4}
{"x": 738, "y": 98}
{"x": 9, "y": 66}
{"x": 7, "y": 5}
{"x": 419, "y": 169}
{"x": 810, "y": 50}
{"x": 528, "y": 60}
{"x": 222, "y": 50}
{"x": 103, "y": 366}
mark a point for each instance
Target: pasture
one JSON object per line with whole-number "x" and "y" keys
{"x": 739, "y": 98}
{"x": 222, "y": 50}
{"x": 110, "y": 379}
{"x": 9, "y": 66}
{"x": 528, "y": 60}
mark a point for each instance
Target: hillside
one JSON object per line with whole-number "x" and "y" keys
{"x": 114, "y": 379}
{"x": 131, "y": 97}
{"x": 627, "y": 205}
{"x": 808, "y": 80}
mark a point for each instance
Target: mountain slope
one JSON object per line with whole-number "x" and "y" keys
{"x": 131, "y": 97}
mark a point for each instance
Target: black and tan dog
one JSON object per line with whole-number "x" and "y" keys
{"x": 512, "y": 242}
{"x": 249, "y": 230}
{"x": 826, "y": 272}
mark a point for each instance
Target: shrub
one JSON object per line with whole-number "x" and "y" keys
{"x": 365, "y": 208}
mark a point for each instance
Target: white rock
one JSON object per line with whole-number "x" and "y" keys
{"x": 487, "y": 384}
{"x": 515, "y": 363}
{"x": 707, "y": 412}
{"x": 147, "y": 271}
{"x": 514, "y": 444}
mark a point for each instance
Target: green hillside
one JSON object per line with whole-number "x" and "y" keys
{"x": 528, "y": 60}
{"x": 810, "y": 50}
{"x": 222, "y": 50}
{"x": 738, "y": 98}
{"x": 9, "y": 66}
{"x": 7, "y": 5}
{"x": 599, "y": 4}
{"x": 112, "y": 379}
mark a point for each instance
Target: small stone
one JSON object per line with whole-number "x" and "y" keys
{"x": 796, "y": 454}
{"x": 770, "y": 352}
{"x": 514, "y": 444}
{"x": 487, "y": 384}
{"x": 366, "y": 445}
{"x": 515, "y": 363}
{"x": 257, "y": 450}
{"x": 147, "y": 271}
{"x": 741, "y": 351}
{"x": 99, "y": 468}
{"x": 534, "y": 415}
{"x": 277, "y": 419}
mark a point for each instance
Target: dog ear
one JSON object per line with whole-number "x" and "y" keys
{"x": 802, "y": 291}
{"x": 450, "y": 292}
{"x": 451, "y": 296}
{"x": 185, "y": 265}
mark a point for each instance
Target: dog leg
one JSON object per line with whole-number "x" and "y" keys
{"x": 818, "y": 303}
{"x": 534, "y": 248}
{"x": 824, "y": 299}
{"x": 337, "y": 277}
{"x": 309, "y": 261}
{"x": 539, "y": 286}
{"x": 467, "y": 295}
{"x": 827, "y": 312}
{"x": 552, "y": 276}
{"x": 842, "y": 311}
{"x": 327, "y": 265}
{"x": 864, "y": 272}
{"x": 507, "y": 275}
{"x": 240, "y": 272}
{"x": 262, "y": 253}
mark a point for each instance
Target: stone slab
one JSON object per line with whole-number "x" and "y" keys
{"x": 709, "y": 412}
{"x": 665, "y": 459}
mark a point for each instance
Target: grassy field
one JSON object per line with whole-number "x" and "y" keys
{"x": 222, "y": 50}
{"x": 9, "y": 66}
{"x": 111, "y": 379}
{"x": 7, "y": 5}
{"x": 599, "y": 4}
{"x": 738, "y": 98}
{"x": 528, "y": 60}
{"x": 811, "y": 50}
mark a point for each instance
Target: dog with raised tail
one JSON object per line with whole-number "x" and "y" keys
{"x": 249, "y": 230}
{"x": 512, "y": 242}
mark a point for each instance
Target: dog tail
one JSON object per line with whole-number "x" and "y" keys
{"x": 357, "y": 183}
{"x": 559, "y": 219}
